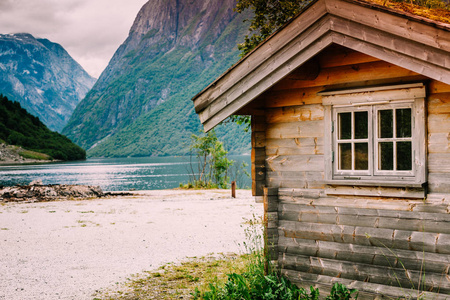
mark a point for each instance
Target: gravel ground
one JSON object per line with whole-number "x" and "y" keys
{"x": 70, "y": 249}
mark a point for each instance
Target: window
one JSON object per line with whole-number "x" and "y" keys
{"x": 376, "y": 136}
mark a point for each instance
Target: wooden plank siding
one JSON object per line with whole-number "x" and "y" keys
{"x": 258, "y": 156}
{"x": 438, "y": 125}
{"x": 382, "y": 243}
{"x": 364, "y": 239}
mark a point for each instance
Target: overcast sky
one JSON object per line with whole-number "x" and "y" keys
{"x": 90, "y": 30}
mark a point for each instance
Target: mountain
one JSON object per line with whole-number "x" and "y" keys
{"x": 18, "y": 127}
{"x": 42, "y": 77}
{"x": 141, "y": 103}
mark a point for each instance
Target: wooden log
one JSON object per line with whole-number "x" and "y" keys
{"x": 443, "y": 217}
{"x": 397, "y": 220}
{"x": 309, "y": 176}
{"x": 297, "y": 194}
{"x": 295, "y": 179}
{"x": 381, "y": 256}
{"x": 438, "y": 123}
{"x": 258, "y": 139}
{"x": 292, "y": 183}
{"x": 257, "y": 187}
{"x": 310, "y": 112}
{"x": 345, "y": 74}
{"x": 272, "y": 219}
{"x": 270, "y": 203}
{"x": 439, "y": 162}
{"x": 258, "y": 172}
{"x": 439, "y": 183}
{"x": 258, "y": 155}
{"x": 299, "y": 163}
{"x": 437, "y": 87}
{"x": 294, "y": 97}
{"x": 439, "y": 142}
{"x": 295, "y": 130}
{"x": 395, "y": 239}
{"x": 367, "y": 290}
{"x": 303, "y": 193}
{"x": 439, "y": 103}
{"x": 295, "y": 146}
{"x": 430, "y": 205}
{"x": 308, "y": 71}
{"x": 336, "y": 56}
{"x": 366, "y": 273}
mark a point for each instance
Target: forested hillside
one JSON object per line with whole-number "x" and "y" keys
{"x": 18, "y": 127}
{"x": 141, "y": 105}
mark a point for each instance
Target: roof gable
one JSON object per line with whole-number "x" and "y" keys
{"x": 413, "y": 43}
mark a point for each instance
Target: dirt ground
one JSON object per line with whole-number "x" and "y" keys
{"x": 70, "y": 249}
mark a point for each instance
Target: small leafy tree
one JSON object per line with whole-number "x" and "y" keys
{"x": 211, "y": 161}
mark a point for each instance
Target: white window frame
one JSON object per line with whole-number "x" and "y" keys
{"x": 373, "y": 99}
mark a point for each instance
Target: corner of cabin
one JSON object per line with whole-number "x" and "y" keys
{"x": 323, "y": 231}
{"x": 350, "y": 154}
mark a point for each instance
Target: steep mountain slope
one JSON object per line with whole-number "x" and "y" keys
{"x": 42, "y": 77}
{"x": 141, "y": 103}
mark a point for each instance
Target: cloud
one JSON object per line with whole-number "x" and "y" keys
{"x": 90, "y": 30}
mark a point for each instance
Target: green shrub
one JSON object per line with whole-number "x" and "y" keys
{"x": 261, "y": 281}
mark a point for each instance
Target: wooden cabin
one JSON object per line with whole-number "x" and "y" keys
{"x": 350, "y": 110}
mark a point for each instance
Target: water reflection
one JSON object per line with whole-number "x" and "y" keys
{"x": 111, "y": 174}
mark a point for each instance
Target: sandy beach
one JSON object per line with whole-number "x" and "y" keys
{"x": 70, "y": 249}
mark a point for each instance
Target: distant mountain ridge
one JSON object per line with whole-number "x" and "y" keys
{"x": 141, "y": 103}
{"x": 42, "y": 77}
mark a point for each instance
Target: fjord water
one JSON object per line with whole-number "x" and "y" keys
{"x": 111, "y": 174}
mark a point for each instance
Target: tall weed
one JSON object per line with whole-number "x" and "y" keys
{"x": 258, "y": 283}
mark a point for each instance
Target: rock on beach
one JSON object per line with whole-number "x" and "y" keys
{"x": 37, "y": 192}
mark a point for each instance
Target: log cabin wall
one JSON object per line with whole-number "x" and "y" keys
{"x": 376, "y": 244}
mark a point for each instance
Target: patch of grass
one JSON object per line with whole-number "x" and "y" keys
{"x": 86, "y": 212}
{"x": 432, "y": 9}
{"x": 34, "y": 155}
{"x": 178, "y": 281}
{"x": 4, "y": 228}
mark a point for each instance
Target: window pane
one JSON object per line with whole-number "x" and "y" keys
{"x": 385, "y": 126}
{"x": 403, "y": 125}
{"x": 361, "y": 125}
{"x": 361, "y": 156}
{"x": 345, "y": 126}
{"x": 386, "y": 156}
{"x": 345, "y": 156}
{"x": 404, "y": 156}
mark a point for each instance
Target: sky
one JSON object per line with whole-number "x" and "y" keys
{"x": 90, "y": 30}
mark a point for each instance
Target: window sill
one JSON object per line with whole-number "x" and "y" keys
{"x": 356, "y": 182}
{"x": 375, "y": 189}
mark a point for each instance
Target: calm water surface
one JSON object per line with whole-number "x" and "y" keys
{"x": 111, "y": 174}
